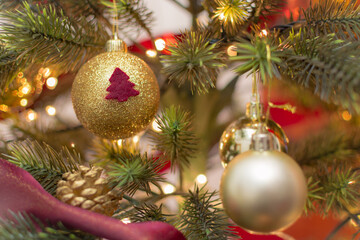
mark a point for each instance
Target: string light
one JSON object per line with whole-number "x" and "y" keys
{"x": 231, "y": 51}
{"x": 51, "y": 83}
{"x": 50, "y": 110}
{"x": 151, "y": 53}
{"x": 119, "y": 142}
{"x": 25, "y": 89}
{"x": 72, "y": 145}
{"x": 160, "y": 44}
{"x": 168, "y": 188}
{"x": 346, "y": 116}
{"x": 155, "y": 126}
{"x": 263, "y": 33}
{"x": 201, "y": 179}
{"x": 136, "y": 139}
{"x": 126, "y": 220}
{"x": 4, "y": 108}
{"x": 46, "y": 72}
{"x": 31, "y": 115}
{"x": 23, "y": 102}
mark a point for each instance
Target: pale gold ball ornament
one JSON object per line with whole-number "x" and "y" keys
{"x": 263, "y": 190}
{"x": 237, "y": 136}
{"x": 115, "y": 94}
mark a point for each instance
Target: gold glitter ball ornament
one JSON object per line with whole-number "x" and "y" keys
{"x": 115, "y": 94}
{"x": 237, "y": 136}
{"x": 263, "y": 190}
{"x": 88, "y": 189}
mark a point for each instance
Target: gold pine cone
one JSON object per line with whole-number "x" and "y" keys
{"x": 88, "y": 188}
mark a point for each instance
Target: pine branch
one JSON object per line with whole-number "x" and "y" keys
{"x": 313, "y": 195}
{"x": 133, "y": 172}
{"x": 9, "y": 66}
{"x": 231, "y": 15}
{"x": 40, "y": 34}
{"x": 325, "y": 65}
{"x": 341, "y": 18}
{"x": 193, "y": 58}
{"x": 131, "y": 13}
{"x": 176, "y": 139}
{"x": 108, "y": 151}
{"x": 148, "y": 212}
{"x": 44, "y": 163}
{"x": 259, "y": 55}
{"x": 201, "y": 217}
{"x": 25, "y": 227}
{"x": 262, "y": 9}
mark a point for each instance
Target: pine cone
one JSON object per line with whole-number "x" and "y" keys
{"x": 88, "y": 189}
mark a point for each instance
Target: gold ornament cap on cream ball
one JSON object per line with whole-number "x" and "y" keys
{"x": 115, "y": 95}
{"x": 263, "y": 190}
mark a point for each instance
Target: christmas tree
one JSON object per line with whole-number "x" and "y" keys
{"x": 162, "y": 120}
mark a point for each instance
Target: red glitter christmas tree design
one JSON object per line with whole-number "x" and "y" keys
{"x": 121, "y": 88}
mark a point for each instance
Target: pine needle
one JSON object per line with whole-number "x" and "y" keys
{"x": 133, "y": 172}
{"x": 176, "y": 139}
{"x": 341, "y": 18}
{"x": 148, "y": 212}
{"x": 41, "y": 34}
{"x": 201, "y": 217}
{"x": 44, "y": 163}
{"x": 25, "y": 227}
{"x": 193, "y": 58}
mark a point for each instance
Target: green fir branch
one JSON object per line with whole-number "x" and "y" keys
{"x": 193, "y": 58}
{"x": 132, "y": 172}
{"x": 148, "y": 212}
{"x": 341, "y": 18}
{"x": 313, "y": 195}
{"x": 201, "y": 217}
{"x": 258, "y": 55}
{"x": 325, "y": 65}
{"x": 40, "y": 34}
{"x": 176, "y": 140}
{"x": 44, "y": 163}
{"x": 25, "y": 227}
{"x": 131, "y": 13}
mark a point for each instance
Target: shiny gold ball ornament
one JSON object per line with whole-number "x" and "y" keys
{"x": 263, "y": 190}
{"x": 236, "y": 138}
{"x": 88, "y": 188}
{"x": 115, "y": 94}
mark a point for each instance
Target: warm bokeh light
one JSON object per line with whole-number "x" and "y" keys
{"x": 346, "y": 116}
{"x": 4, "y": 108}
{"x": 50, "y": 110}
{"x": 151, "y": 53}
{"x": 23, "y": 102}
{"x": 263, "y": 33}
{"x": 231, "y": 51}
{"x": 168, "y": 188}
{"x": 31, "y": 115}
{"x": 160, "y": 44}
{"x": 119, "y": 142}
{"x": 51, "y": 83}
{"x": 25, "y": 89}
{"x": 72, "y": 145}
{"x": 46, "y": 72}
{"x": 136, "y": 139}
{"x": 201, "y": 179}
{"x": 126, "y": 220}
{"x": 155, "y": 126}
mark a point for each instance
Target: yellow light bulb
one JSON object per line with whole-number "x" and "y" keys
{"x": 46, "y": 72}
{"x": 168, "y": 188}
{"x": 136, "y": 139}
{"x": 31, "y": 115}
{"x": 126, "y": 220}
{"x": 155, "y": 126}
{"x": 346, "y": 116}
{"x": 160, "y": 44}
{"x": 50, "y": 110}
{"x": 25, "y": 89}
{"x": 201, "y": 179}
{"x": 151, "y": 53}
{"x": 23, "y": 102}
{"x": 4, "y": 108}
{"x": 231, "y": 51}
{"x": 51, "y": 83}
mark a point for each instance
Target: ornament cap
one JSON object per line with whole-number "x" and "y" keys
{"x": 254, "y": 110}
{"x": 116, "y": 45}
{"x": 262, "y": 140}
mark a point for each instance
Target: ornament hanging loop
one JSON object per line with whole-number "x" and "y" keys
{"x": 262, "y": 140}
